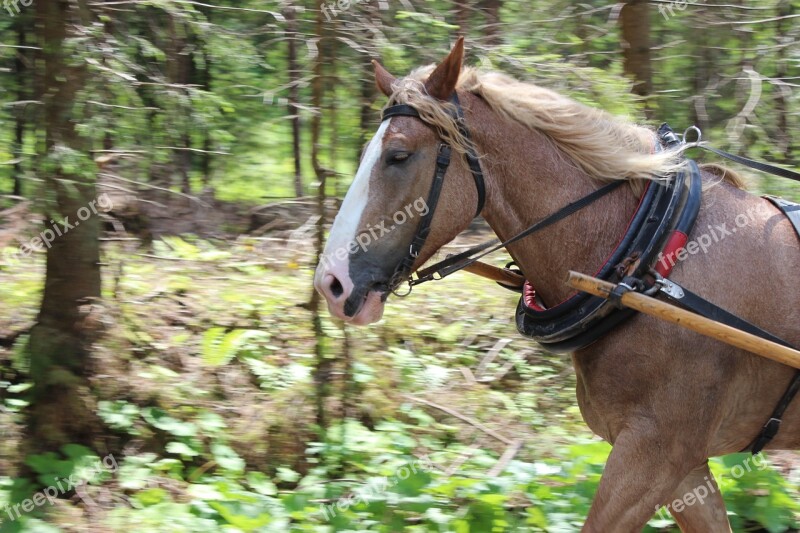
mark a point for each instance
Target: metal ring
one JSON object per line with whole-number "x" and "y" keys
{"x": 696, "y": 130}
{"x": 403, "y": 294}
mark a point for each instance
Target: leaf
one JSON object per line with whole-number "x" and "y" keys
{"x": 261, "y": 483}
{"x": 220, "y": 347}
{"x": 161, "y": 420}
{"x": 227, "y": 458}
{"x": 181, "y": 448}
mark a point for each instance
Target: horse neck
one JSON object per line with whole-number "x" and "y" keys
{"x": 528, "y": 178}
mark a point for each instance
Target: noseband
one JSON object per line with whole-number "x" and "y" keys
{"x": 404, "y": 268}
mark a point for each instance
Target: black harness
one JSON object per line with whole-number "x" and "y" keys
{"x": 661, "y": 224}
{"x": 403, "y": 270}
{"x": 667, "y": 208}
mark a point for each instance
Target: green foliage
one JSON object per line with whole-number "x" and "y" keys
{"x": 191, "y": 464}
{"x": 209, "y": 366}
{"x": 220, "y": 346}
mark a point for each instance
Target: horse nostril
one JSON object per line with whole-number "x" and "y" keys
{"x": 336, "y": 287}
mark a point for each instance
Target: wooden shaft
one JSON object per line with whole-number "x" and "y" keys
{"x": 700, "y": 324}
{"x": 500, "y": 275}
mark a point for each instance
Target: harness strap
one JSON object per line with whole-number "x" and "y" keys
{"x": 770, "y": 429}
{"x": 472, "y": 157}
{"x": 772, "y": 426}
{"x": 424, "y": 227}
{"x": 757, "y": 165}
{"x": 406, "y": 265}
{"x": 399, "y": 110}
{"x": 701, "y": 306}
{"x": 457, "y": 262}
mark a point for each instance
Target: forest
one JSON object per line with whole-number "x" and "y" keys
{"x": 169, "y": 172}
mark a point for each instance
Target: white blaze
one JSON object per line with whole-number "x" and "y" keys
{"x": 345, "y": 225}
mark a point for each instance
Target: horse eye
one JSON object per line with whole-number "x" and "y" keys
{"x": 397, "y": 158}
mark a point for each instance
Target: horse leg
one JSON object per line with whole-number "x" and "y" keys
{"x": 697, "y": 504}
{"x": 641, "y": 473}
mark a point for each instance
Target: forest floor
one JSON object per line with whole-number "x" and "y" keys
{"x": 205, "y": 379}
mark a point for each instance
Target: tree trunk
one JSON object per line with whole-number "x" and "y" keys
{"x": 207, "y": 141}
{"x": 323, "y": 373}
{"x": 783, "y": 135}
{"x": 332, "y": 81}
{"x": 367, "y": 81}
{"x": 62, "y": 409}
{"x": 635, "y": 24}
{"x": 294, "y": 94}
{"x": 179, "y": 71}
{"x": 20, "y": 68}
{"x": 492, "y": 30}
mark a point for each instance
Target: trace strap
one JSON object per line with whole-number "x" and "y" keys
{"x": 758, "y": 165}
{"x": 457, "y": 262}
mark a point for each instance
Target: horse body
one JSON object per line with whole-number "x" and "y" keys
{"x": 666, "y": 398}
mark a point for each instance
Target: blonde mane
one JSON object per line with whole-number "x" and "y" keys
{"x": 602, "y": 145}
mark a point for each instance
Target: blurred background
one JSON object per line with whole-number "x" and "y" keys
{"x": 168, "y": 171}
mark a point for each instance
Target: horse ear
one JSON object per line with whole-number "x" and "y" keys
{"x": 442, "y": 81}
{"x": 383, "y": 79}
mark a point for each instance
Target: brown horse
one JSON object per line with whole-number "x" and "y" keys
{"x": 665, "y": 398}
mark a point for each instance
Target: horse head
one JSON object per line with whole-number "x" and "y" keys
{"x": 369, "y": 250}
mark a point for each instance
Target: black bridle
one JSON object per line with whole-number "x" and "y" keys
{"x": 453, "y": 264}
{"x": 404, "y": 268}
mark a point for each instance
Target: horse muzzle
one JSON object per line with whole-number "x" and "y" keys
{"x": 355, "y": 303}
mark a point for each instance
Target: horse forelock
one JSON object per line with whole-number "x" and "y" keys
{"x": 438, "y": 114}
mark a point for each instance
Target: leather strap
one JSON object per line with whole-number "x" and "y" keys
{"x": 457, "y": 262}
{"x": 473, "y": 160}
{"x": 472, "y": 157}
{"x": 399, "y": 110}
{"x": 757, "y": 165}
{"x": 405, "y": 267}
{"x": 701, "y": 306}
{"x": 773, "y": 425}
{"x": 424, "y": 227}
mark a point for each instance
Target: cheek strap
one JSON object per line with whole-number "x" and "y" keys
{"x": 405, "y": 267}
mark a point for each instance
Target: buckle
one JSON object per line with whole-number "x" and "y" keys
{"x": 771, "y": 428}
{"x": 668, "y": 137}
{"x": 443, "y": 156}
